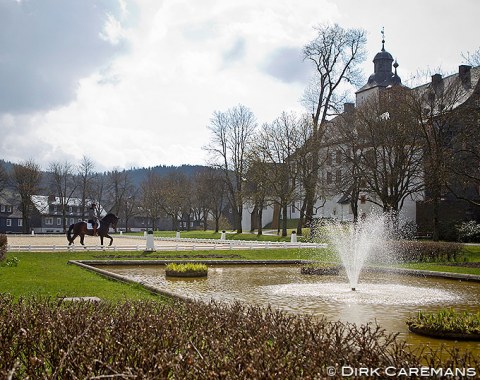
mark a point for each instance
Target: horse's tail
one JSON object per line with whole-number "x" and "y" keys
{"x": 69, "y": 232}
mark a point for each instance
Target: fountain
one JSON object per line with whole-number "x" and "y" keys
{"x": 354, "y": 243}
{"x": 386, "y": 300}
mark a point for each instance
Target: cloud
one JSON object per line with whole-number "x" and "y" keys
{"x": 135, "y": 82}
{"x": 286, "y": 64}
{"x": 48, "y": 45}
{"x": 236, "y": 52}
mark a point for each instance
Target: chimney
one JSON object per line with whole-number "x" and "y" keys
{"x": 348, "y": 107}
{"x": 437, "y": 85}
{"x": 465, "y": 75}
{"x": 436, "y": 79}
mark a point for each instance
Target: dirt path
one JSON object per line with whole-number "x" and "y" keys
{"x": 118, "y": 240}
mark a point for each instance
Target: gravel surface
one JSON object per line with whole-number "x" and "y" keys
{"x": 61, "y": 240}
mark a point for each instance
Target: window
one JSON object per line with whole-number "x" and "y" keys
{"x": 20, "y": 223}
{"x": 329, "y": 158}
{"x": 49, "y": 221}
{"x": 329, "y": 178}
{"x": 338, "y": 177}
{"x": 2, "y": 208}
{"x": 8, "y": 208}
{"x": 363, "y": 199}
{"x": 9, "y": 222}
{"x": 338, "y": 157}
{"x": 70, "y": 209}
{"x": 59, "y": 221}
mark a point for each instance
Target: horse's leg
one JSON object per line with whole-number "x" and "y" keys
{"x": 111, "y": 239}
{"x": 73, "y": 239}
{"x": 101, "y": 240}
{"x": 82, "y": 237}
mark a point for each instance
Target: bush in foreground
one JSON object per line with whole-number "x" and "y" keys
{"x": 149, "y": 340}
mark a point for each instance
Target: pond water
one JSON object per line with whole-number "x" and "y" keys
{"x": 386, "y": 298}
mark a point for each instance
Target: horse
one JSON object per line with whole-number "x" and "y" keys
{"x": 80, "y": 229}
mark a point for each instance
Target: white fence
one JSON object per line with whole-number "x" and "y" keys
{"x": 160, "y": 244}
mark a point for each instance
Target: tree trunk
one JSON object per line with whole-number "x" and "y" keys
{"x": 238, "y": 219}
{"x": 260, "y": 221}
{"x": 284, "y": 219}
{"x": 302, "y": 219}
{"x": 436, "y": 218}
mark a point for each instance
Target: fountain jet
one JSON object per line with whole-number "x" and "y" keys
{"x": 355, "y": 242}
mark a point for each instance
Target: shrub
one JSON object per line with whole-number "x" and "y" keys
{"x": 424, "y": 251}
{"x": 3, "y": 246}
{"x": 469, "y": 232}
{"x": 148, "y": 340}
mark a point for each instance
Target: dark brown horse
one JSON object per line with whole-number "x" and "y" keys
{"x": 80, "y": 229}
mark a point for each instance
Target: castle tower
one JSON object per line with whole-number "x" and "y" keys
{"x": 383, "y": 75}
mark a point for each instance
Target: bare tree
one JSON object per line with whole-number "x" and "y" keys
{"x": 275, "y": 147}
{"x": 472, "y": 59}
{"x": 120, "y": 187}
{"x": 86, "y": 177}
{"x": 131, "y": 207}
{"x": 464, "y": 165}
{"x": 26, "y": 179}
{"x": 152, "y": 199}
{"x": 62, "y": 182}
{"x": 435, "y": 108}
{"x": 176, "y": 197}
{"x": 3, "y": 177}
{"x": 256, "y": 189}
{"x": 211, "y": 190}
{"x": 336, "y": 54}
{"x": 232, "y": 133}
{"x": 391, "y": 161}
{"x": 349, "y": 149}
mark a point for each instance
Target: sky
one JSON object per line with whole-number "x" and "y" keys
{"x": 134, "y": 83}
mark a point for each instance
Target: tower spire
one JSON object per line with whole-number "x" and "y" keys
{"x": 383, "y": 38}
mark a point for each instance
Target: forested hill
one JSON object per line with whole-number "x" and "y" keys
{"x": 135, "y": 175}
{"x": 138, "y": 175}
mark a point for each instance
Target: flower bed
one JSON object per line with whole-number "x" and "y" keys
{"x": 186, "y": 270}
{"x": 446, "y": 324}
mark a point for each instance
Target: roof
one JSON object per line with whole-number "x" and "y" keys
{"x": 42, "y": 203}
{"x": 459, "y": 92}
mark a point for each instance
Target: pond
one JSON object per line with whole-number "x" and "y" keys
{"x": 386, "y": 298}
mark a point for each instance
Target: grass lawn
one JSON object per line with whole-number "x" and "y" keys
{"x": 229, "y": 235}
{"x": 49, "y": 275}
{"x": 469, "y": 256}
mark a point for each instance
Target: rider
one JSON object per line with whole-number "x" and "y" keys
{"x": 92, "y": 215}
